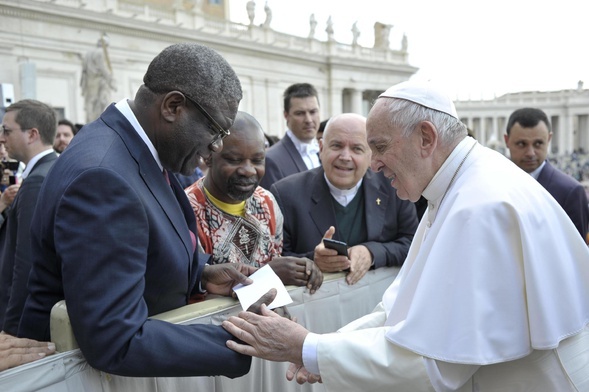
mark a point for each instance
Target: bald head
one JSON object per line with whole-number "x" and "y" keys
{"x": 350, "y": 121}
{"x": 345, "y": 155}
{"x": 235, "y": 172}
{"x": 245, "y": 123}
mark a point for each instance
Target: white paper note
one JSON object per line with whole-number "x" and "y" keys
{"x": 264, "y": 279}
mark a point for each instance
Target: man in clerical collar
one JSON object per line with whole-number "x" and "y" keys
{"x": 345, "y": 201}
{"x": 298, "y": 150}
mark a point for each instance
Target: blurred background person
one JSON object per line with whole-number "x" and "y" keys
{"x": 298, "y": 150}
{"x": 64, "y": 135}
{"x": 28, "y": 131}
{"x": 527, "y": 137}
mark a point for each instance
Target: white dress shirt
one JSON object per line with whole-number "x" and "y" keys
{"x": 309, "y": 151}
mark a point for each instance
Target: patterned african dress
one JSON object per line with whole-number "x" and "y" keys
{"x": 252, "y": 239}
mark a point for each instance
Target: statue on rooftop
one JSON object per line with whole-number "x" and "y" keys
{"x": 329, "y": 30}
{"x": 381, "y": 35}
{"x": 97, "y": 80}
{"x": 355, "y": 34}
{"x": 312, "y": 26}
{"x": 251, "y": 11}
{"x": 268, "y": 20}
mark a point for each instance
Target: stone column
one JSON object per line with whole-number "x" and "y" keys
{"x": 483, "y": 131}
{"x": 28, "y": 80}
{"x": 356, "y": 101}
{"x": 566, "y": 128}
{"x": 583, "y": 132}
{"x": 334, "y": 102}
{"x": 568, "y": 134}
{"x": 272, "y": 112}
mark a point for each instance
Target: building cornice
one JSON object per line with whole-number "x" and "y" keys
{"x": 220, "y": 34}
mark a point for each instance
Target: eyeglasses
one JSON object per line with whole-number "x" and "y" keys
{"x": 221, "y": 133}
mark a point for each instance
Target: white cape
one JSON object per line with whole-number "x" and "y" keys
{"x": 455, "y": 302}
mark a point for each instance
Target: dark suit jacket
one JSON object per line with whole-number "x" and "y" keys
{"x": 112, "y": 238}
{"x": 307, "y": 206}
{"x": 282, "y": 159}
{"x": 569, "y": 194}
{"x": 15, "y": 243}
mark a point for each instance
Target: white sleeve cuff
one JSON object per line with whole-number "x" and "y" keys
{"x": 310, "y": 353}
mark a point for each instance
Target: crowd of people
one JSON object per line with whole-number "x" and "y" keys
{"x": 575, "y": 165}
{"x": 175, "y": 194}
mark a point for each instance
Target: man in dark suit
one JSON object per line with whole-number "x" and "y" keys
{"x": 528, "y": 136}
{"x": 346, "y": 201}
{"x": 114, "y": 232}
{"x": 28, "y": 130}
{"x": 298, "y": 150}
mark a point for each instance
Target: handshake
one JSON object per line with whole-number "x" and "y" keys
{"x": 272, "y": 335}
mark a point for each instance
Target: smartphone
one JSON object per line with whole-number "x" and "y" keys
{"x": 340, "y": 246}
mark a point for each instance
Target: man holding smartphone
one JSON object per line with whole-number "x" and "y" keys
{"x": 346, "y": 202}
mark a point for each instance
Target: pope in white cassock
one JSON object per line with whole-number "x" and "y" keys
{"x": 494, "y": 294}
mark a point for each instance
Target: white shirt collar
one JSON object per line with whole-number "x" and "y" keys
{"x": 304, "y": 148}
{"x": 125, "y": 109}
{"x": 34, "y": 160}
{"x": 343, "y": 196}
{"x": 536, "y": 173}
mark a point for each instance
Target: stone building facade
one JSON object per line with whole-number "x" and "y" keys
{"x": 43, "y": 43}
{"x": 568, "y": 111}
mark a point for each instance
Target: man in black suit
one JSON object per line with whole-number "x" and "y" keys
{"x": 344, "y": 200}
{"x": 527, "y": 138}
{"x": 28, "y": 130}
{"x": 114, "y": 233}
{"x": 298, "y": 150}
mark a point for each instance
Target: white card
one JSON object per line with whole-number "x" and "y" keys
{"x": 264, "y": 279}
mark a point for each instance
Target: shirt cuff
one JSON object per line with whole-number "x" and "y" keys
{"x": 201, "y": 290}
{"x": 310, "y": 353}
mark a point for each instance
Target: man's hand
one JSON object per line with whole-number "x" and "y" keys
{"x": 361, "y": 261}
{"x": 268, "y": 336}
{"x": 267, "y": 299}
{"x": 298, "y": 271}
{"x": 18, "y": 351}
{"x": 8, "y": 196}
{"x": 221, "y": 278}
{"x": 327, "y": 259}
{"x": 302, "y": 375}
